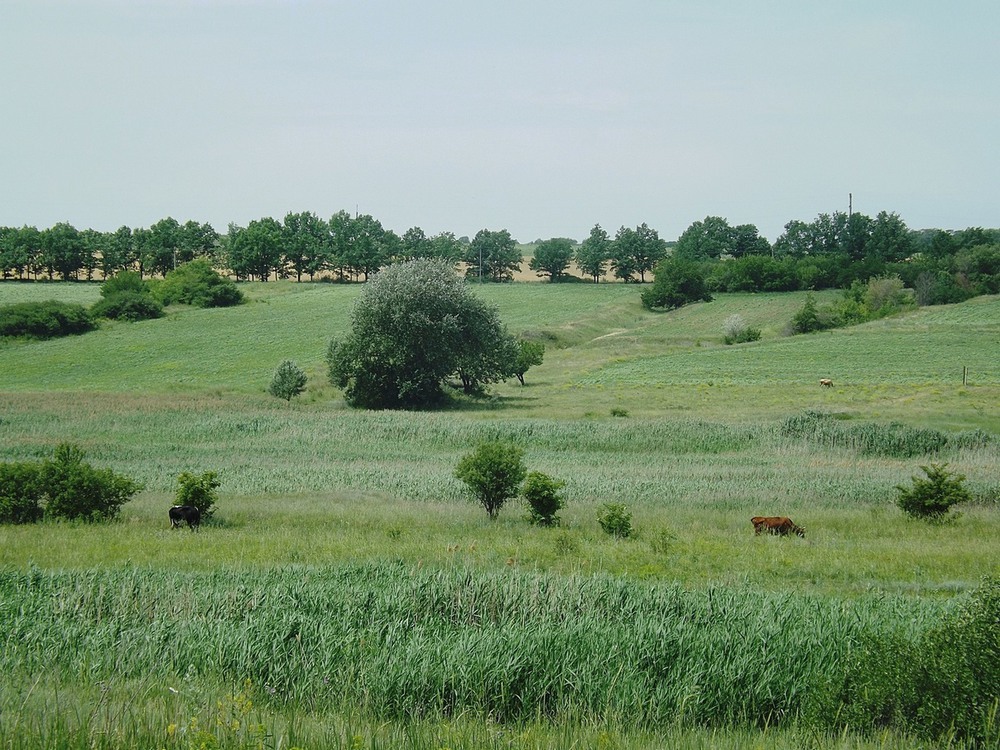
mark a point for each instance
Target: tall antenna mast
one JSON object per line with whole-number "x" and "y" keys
{"x": 850, "y": 204}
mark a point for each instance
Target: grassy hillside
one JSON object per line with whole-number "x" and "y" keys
{"x": 350, "y": 594}
{"x": 604, "y": 351}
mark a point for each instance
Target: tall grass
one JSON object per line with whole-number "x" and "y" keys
{"x": 406, "y": 644}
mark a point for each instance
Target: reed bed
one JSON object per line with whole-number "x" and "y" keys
{"x": 403, "y": 644}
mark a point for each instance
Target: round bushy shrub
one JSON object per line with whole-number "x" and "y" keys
{"x": 74, "y": 489}
{"x": 197, "y": 283}
{"x": 198, "y": 490}
{"x": 44, "y": 320}
{"x": 932, "y": 498}
{"x": 541, "y": 492}
{"x": 289, "y": 380}
{"x": 615, "y": 519}
{"x": 493, "y": 471}
{"x": 20, "y": 493}
{"x": 131, "y": 306}
{"x": 735, "y": 330}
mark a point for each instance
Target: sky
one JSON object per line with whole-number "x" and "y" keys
{"x": 543, "y": 117}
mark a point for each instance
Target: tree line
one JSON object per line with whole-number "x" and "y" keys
{"x": 832, "y": 251}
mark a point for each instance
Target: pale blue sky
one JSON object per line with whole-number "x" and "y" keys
{"x": 540, "y": 117}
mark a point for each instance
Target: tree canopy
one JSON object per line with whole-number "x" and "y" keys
{"x": 552, "y": 257}
{"x": 677, "y": 282}
{"x": 415, "y": 325}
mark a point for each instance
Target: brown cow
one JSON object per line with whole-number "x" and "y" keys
{"x": 780, "y": 525}
{"x": 826, "y": 382}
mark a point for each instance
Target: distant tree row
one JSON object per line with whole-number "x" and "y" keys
{"x": 832, "y": 251}
{"x": 66, "y": 253}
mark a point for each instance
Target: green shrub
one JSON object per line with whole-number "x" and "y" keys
{"x": 130, "y": 306}
{"x": 933, "y": 497}
{"x": 958, "y": 678}
{"x": 74, "y": 489}
{"x": 20, "y": 493}
{"x": 676, "y": 282}
{"x": 288, "y": 381}
{"x": 198, "y": 490}
{"x": 124, "y": 281}
{"x": 943, "y": 683}
{"x": 735, "y": 330}
{"x": 615, "y": 519}
{"x": 541, "y": 492}
{"x": 493, "y": 471}
{"x": 197, "y": 283}
{"x": 44, "y": 320}
{"x": 807, "y": 320}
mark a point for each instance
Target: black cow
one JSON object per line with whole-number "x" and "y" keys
{"x": 185, "y": 514}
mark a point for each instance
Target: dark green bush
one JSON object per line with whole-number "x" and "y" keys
{"x": 197, "y": 283}
{"x": 615, "y": 519}
{"x": 44, "y": 320}
{"x": 289, "y": 381}
{"x": 20, "y": 493}
{"x": 124, "y": 281}
{"x": 541, "y": 492}
{"x": 494, "y": 472}
{"x": 933, "y": 497}
{"x": 676, "y": 282}
{"x": 73, "y": 489}
{"x": 943, "y": 684}
{"x": 130, "y": 306}
{"x": 198, "y": 490}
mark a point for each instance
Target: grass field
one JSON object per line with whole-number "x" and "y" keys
{"x": 320, "y": 503}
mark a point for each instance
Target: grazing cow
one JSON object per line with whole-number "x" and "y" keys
{"x": 185, "y": 514}
{"x": 780, "y": 525}
{"x": 826, "y": 382}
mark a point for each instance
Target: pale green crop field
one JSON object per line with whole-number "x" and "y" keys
{"x": 314, "y": 492}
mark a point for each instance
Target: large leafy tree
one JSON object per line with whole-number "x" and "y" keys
{"x": 492, "y": 256}
{"x": 415, "y": 325}
{"x": 415, "y": 244}
{"x": 445, "y": 246}
{"x": 20, "y": 250}
{"x": 304, "y": 237}
{"x": 747, "y": 241}
{"x": 890, "y": 240}
{"x": 256, "y": 250}
{"x": 552, "y": 257}
{"x": 709, "y": 238}
{"x": 594, "y": 253}
{"x": 678, "y": 282}
{"x": 636, "y": 251}
{"x": 370, "y": 247}
{"x": 63, "y": 250}
{"x": 161, "y": 245}
{"x": 623, "y": 252}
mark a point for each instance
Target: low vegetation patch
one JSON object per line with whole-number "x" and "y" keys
{"x": 44, "y": 320}
{"x": 63, "y": 487}
{"x": 197, "y": 283}
{"x": 126, "y": 296}
{"x": 407, "y": 644}
{"x": 932, "y": 496}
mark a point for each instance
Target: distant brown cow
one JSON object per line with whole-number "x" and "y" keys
{"x": 780, "y": 525}
{"x": 826, "y": 382}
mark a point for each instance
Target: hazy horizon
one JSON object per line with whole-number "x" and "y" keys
{"x": 541, "y": 118}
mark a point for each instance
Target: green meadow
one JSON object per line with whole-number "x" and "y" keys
{"x": 349, "y": 594}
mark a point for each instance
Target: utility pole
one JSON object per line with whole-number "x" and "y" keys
{"x": 850, "y": 204}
